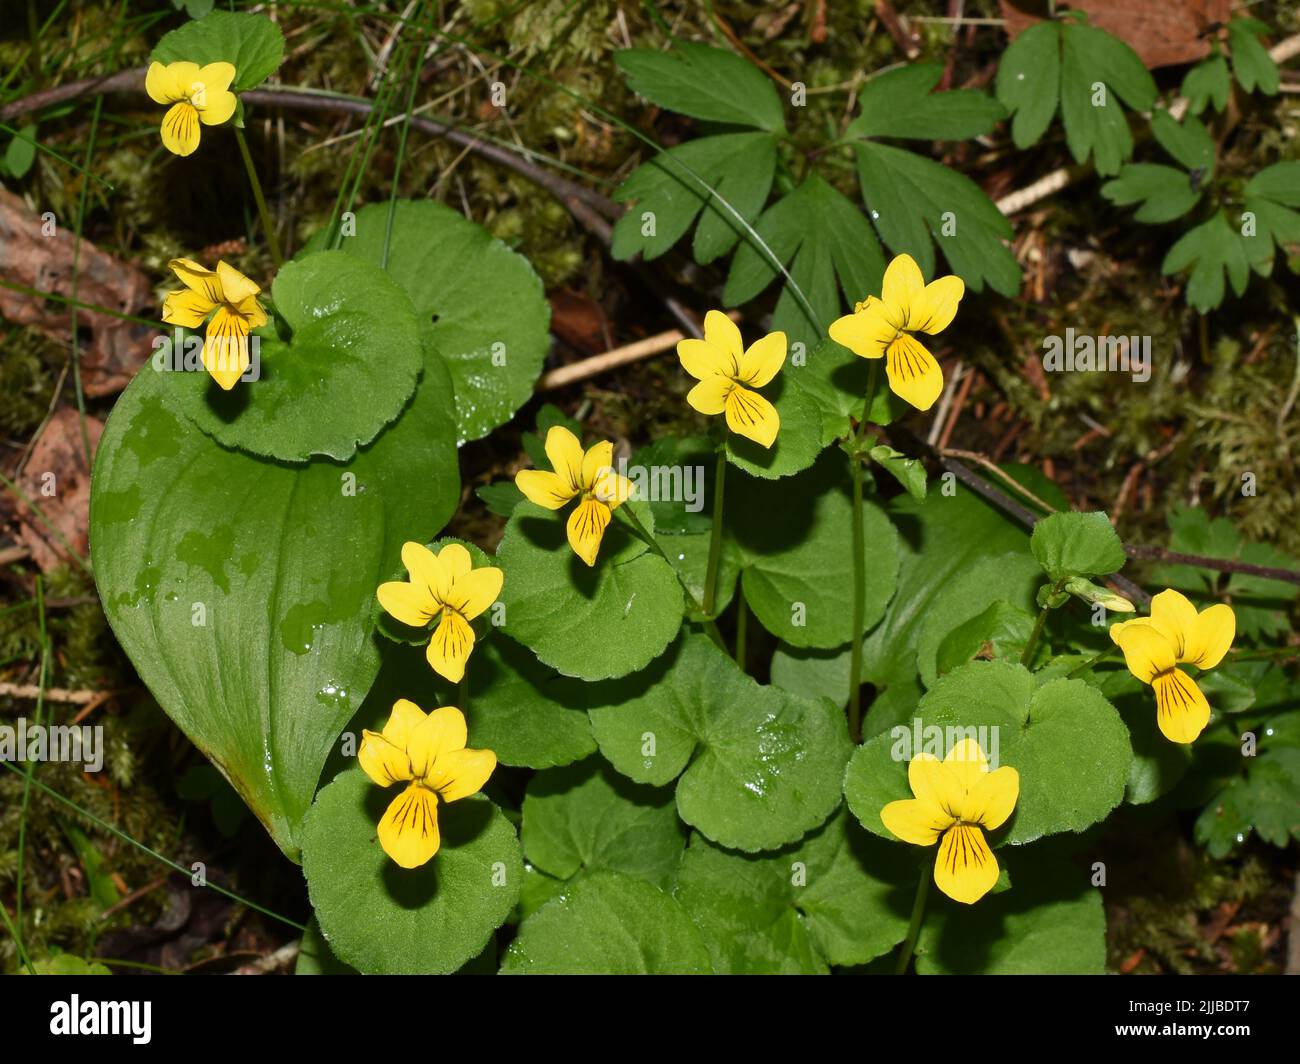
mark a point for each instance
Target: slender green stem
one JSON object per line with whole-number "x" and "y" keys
{"x": 715, "y": 533}
{"x": 1032, "y": 645}
{"x": 918, "y": 917}
{"x": 272, "y": 241}
{"x": 1084, "y": 666}
{"x": 859, "y": 548}
{"x": 13, "y": 933}
{"x": 463, "y": 693}
{"x": 742, "y": 622}
{"x": 401, "y": 147}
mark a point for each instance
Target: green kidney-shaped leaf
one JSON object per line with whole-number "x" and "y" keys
{"x": 253, "y": 44}
{"x": 794, "y": 538}
{"x": 1074, "y": 544}
{"x": 1064, "y": 738}
{"x": 354, "y": 335}
{"x": 757, "y": 766}
{"x": 481, "y": 304}
{"x": 241, "y": 589}
{"x": 382, "y": 919}
{"x": 839, "y": 897}
{"x": 608, "y": 924}
{"x": 586, "y": 818}
{"x": 1050, "y": 923}
{"x": 593, "y": 622}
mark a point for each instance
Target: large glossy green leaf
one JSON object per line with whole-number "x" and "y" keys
{"x": 757, "y": 766}
{"x": 383, "y": 919}
{"x": 354, "y": 332}
{"x": 1068, "y": 744}
{"x": 481, "y": 302}
{"x": 608, "y": 924}
{"x": 838, "y": 897}
{"x": 241, "y": 589}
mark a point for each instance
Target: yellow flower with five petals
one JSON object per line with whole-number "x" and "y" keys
{"x": 427, "y": 752}
{"x": 1176, "y": 634}
{"x": 588, "y": 477}
{"x": 444, "y": 587}
{"x": 883, "y": 328}
{"x": 234, "y": 299}
{"x": 728, "y": 375}
{"x": 198, "y": 95}
{"x": 957, "y": 799}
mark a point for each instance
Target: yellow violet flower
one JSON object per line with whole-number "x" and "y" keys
{"x": 234, "y": 298}
{"x": 426, "y": 750}
{"x": 196, "y": 94}
{"x": 589, "y": 477}
{"x": 1175, "y": 634}
{"x": 884, "y": 327}
{"x": 956, "y": 799}
{"x": 723, "y": 367}
{"x": 444, "y": 587}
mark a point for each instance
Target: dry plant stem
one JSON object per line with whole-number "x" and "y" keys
{"x": 51, "y": 694}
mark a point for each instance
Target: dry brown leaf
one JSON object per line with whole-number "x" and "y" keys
{"x": 57, "y": 480}
{"x": 1162, "y": 32}
{"x": 112, "y": 349}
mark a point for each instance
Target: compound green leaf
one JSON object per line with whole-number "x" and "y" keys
{"x": 710, "y": 83}
{"x": 1253, "y": 67}
{"x": 1208, "y": 83}
{"x": 902, "y": 103}
{"x": 1029, "y": 81}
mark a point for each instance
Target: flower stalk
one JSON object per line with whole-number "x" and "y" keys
{"x": 272, "y": 241}
{"x": 914, "y": 926}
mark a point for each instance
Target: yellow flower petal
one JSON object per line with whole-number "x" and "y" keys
{"x": 966, "y": 763}
{"x": 763, "y": 359}
{"x": 1147, "y": 651}
{"x": 251, "y": 311}
{"x": 613, "y": 489}
{"x": 215, "y": 77}
{"x": 218, "y": 109}
{"x": 916, "y": 821}
{"x": 186, "y": 308}
{"x": 544, "y": 488}
{"x": 234, "y": 285}
{"x": 1175, "y": 615}
{"x": 752, "y": 416}
{"x": 456, "y": 562}
{"x": 225, "y": 348}
{"x": 586, "y": 527}
{"x": 902, "y": 289}
{"x": 710, "y": 395}
{"x": 442, "y": 732}
{"x": 211, "y": 94}
{"x": 383, "y": 762}
{"x": 180, "y": 128}
{"x": 450, "y": 647}
{"x": 1210, "y": 637}
{"x": 427, "y": 572}
{"x": 475, "y": 592}
{"x": 724, "y": 334}
{"x": 935, "y": 306}
{"x": 702, "y": 360}
{"x": 932, "y": 783}
{"x": 1182, "y": 711}
{"x": 867, "y": 332}
{"x": 460, "y": 773}
{"x": 598, "y": 460}
{"x": 993, "y": 798}
{"x": 965, "y": 868}
{"x": 913, "y": 373}
{"x": 408, "y": 831}
{"x": 160, "y": 84}
{"x": 197, "y": 279}
{"x": 402, "y": 722}
{"x": 565, "y": 454}
{"x": 407, "y": 603}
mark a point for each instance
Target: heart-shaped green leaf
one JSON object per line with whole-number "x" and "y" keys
{"x": 608, "y": 924}
{"x": 352, "y": 363}
{"x": 383, "y": 919}
{"x": 214, "y": 569}
{"x": 1068, "y": 744}
{"x": 253, "y": 44}
{"x": 482, "y": 303}
{"x": 839, "y": 897}
{"x": 757, "y": 766}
